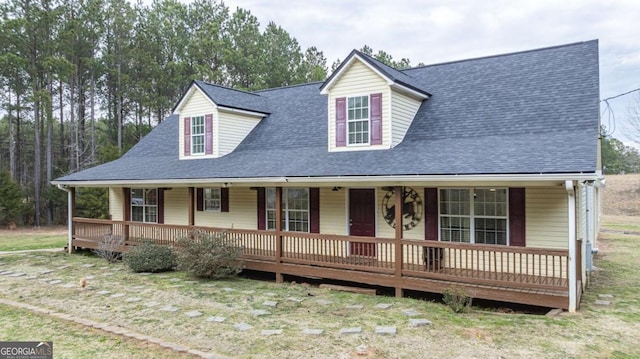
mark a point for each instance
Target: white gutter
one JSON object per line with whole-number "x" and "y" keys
{"x": 573, "y": 279}
{"x": 69, "y": 219}
{"x": 330, "y": 180}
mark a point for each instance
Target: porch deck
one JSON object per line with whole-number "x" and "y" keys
{"x": 511, "y": 274}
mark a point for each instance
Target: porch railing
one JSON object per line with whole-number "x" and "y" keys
{"x": 456, "y": 262}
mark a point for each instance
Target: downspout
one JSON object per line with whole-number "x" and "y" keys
{"x": 571, "y": 198}
{"x": 69, "y": 217}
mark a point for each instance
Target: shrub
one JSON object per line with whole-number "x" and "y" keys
{"x": 150, "y": 257}
{"x": 208, "y": 256}
{"x": 456, "y": 299}
{"x": 109, "y": 248}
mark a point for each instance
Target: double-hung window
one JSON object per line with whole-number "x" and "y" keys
{"x": 197, "y": 135}
{"x": 212, "y": 199}
{"x": 358, "y": 120}
{"x": 295, "y": 209}
{"x": 477, "y": 215}
{"x": 144, "y": 205}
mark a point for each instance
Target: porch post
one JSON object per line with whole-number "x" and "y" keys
{"x": 279, "y": 278}
{"x": 571, "y": 202}
{"x": 71, "y": 212}
{"x": 399, "y": 191}
{"x": 126, "y": 213}
{"x": 192, "y": 218}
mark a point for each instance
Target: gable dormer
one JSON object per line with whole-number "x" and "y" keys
{"x": 371, "y": 105}
{"x": 215, "y": 119}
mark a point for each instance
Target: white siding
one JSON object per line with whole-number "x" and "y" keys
{"x": 176, "y": 206}
{"x": 243, "y": 211}
{"x": 197, "y": 104}
{"x": 116, "y": 198}
{"x": 403, "y": 110}
{"x": 232, "y": 130}
{"x": 547, "y": 217}
{"x": 360, "y": 80}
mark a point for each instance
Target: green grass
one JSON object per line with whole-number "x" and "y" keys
{"x": 71, "y": 340}
{"x": 24, "y": 241}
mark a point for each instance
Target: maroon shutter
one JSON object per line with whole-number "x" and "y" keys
{"x": 224, "y": 199}
{"x": 262, "y": 208}
{"x": 376, "y": 119}
{"x": 208, "y": 134}
{"x": 517, "y": 217}
{"x": 314, "y": 209}
{"x": 126, "y": 215}
{"x": 160, "y": 205}
{"x": 431, "y": 214}
{"x": 341, "y": 121}
{"x": 187, "y": 136}
{"x": 199, "y": 199}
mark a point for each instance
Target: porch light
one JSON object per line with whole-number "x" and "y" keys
{"x": 336, "y": 189}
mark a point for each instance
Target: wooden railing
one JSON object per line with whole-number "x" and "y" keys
{"x": 456, "y": 262}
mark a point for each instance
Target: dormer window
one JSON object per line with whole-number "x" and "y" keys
{"x": 358, "y": 120}
{"x": 197, "y": 135}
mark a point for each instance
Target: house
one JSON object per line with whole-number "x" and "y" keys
{"x": 481, "y": 173}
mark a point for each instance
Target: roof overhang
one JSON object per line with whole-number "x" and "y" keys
{"x": 330, "y": 181}
{"x": 183, "y": 100}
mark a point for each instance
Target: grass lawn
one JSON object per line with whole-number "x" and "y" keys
{"x": 33, "y": 239}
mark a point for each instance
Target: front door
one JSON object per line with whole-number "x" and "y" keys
{"x": 362, "y": 220}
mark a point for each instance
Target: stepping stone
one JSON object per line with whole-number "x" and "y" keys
{"x": 355, "y": 306}
{"x": 312, "y": 331}
{"x": 18, "y": 274}
{"x": 212, "y": 285}
{"x": 324, "y": 302}
{"x": 243, "y": 326}
{"x": 271, "y": 332}
{"x": 294, "y": 299}
{"x": 193, "y": 314}
{"x": 117, "y": 295}
{"x": 47, "y": 271}
{"x": 169, "y": 308}
{"x": 89, "y": 277}
{"x": 259, "y": 312}
{"x": 270, "y": 303}
{"x": 419, "y": 322}
{"x": 176, "y": 286}
{"x": 410, "y": 312}
{"x": 116, "y": 269}
{"x": 175, "y": 280}
{"x": 138, "y": 287}
{"x": 133, "y": 300}
{"x": 192, "y": 282}
{"x": 269, "y": 294}
{"x": 151, "y": 304}
{"x": 144, "y": 273}
{"x": 383, "y": 305}
{"x": 107, "y": 274}
{"x": 249, "y": 291}
{"x": 605, "y": 296}
{"x": 103, "y": 292}
{"x": 31, "y": 277}
{"x": 69, "y": 285}
{"x": 88, "y": 265}
{"x": 6, "y": 272}
{"x": 603, "y": 303}
{"x": 103, "y": 268}
{"x": 227, "y": 289}
{"x": 353, "y": 330}
{"x": 386, "y": 330}
{"x": 55, "y": 281}
{"x": 63, "y": 267}
{"x": 216, "y": 319}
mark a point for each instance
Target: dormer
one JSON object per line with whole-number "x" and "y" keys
{"x": 215, "y": 119}
{"x": 371, "y": 105}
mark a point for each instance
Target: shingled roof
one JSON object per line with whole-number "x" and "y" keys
{"x": 532, "y": 112}
{"x": 232, "y": 98}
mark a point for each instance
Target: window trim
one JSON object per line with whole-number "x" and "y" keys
{"x": 285, "y": 210}
{"x": 193, "y": 135}
{"x": 472, "y": 216}
{"x": 207, "y": 197}
{"x": 144, "y": 205}
{"x": 367, "y": 120}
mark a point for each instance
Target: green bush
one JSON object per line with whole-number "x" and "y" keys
{"x": 456, "y": 299}
{"x": 208, "y": 256}
{"x": 150, "y": 257}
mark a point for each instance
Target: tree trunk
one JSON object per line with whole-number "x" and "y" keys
{"x": 93, "y": 119}
{"x": 12, "y": 142}
{"x": 49, "y": 148}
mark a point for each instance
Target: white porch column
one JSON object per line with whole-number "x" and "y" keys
{"x": 571, "y": 201}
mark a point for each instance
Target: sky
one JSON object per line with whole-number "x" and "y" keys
{"x": 433, "y": 32}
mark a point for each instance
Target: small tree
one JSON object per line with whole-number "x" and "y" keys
{"x": 109, "y": 248}
{"x": 11, "y": 195}
{"x": 208, "y": 256}
{"x": 456, "y": 299}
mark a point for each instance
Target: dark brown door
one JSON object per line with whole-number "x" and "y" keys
{"x": 362, "y": 220}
